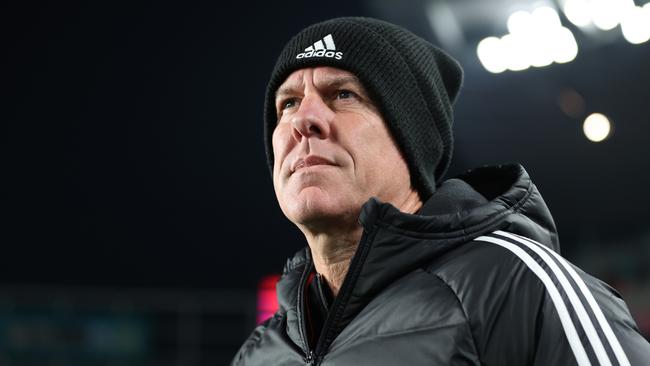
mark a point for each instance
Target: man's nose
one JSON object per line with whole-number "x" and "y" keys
{"x": 312, "y": 119}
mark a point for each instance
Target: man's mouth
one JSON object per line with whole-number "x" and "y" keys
{"x": 307, "y": 161}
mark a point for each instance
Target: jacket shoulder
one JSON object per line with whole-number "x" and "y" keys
{"x": 563, "y": 315}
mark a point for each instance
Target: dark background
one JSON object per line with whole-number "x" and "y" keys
{"x": 134, "y": 160}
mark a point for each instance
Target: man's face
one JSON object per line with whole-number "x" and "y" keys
{"x": 332, "y": 150}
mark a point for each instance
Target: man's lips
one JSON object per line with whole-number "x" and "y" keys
{"x": 308, "y": 161}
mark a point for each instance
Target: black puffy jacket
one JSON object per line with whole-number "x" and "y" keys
{"x": 473, "y": 278}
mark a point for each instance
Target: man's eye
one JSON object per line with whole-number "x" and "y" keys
{"x": 344, "y": 94}
{"x": 289, "y": 103}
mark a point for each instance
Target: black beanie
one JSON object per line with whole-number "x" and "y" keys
{"x": 413, "y": 83}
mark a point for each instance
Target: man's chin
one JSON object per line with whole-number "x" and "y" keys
{"x": 312, "y": 201}
{"x": 313, "y": 205}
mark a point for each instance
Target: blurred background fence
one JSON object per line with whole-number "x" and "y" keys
{"x": 91, "y": 327}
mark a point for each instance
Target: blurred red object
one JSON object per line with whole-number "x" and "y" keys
{"x": 267, "y": 301}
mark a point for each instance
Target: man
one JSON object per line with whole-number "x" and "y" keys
{"x": 402, "y": 268}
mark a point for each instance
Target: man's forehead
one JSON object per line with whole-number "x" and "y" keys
{"x": 318, "y": 75}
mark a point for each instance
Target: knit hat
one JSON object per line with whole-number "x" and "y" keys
{"x": 413, "y": 83}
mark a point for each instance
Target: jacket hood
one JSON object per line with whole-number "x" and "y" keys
{"x": 470, "y": 205}
{"x": 395, "y": 243}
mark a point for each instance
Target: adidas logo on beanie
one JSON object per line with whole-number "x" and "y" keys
{"x": 320, "y": 50}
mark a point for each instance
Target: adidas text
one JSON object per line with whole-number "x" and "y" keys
{"x": 322, "y": 48}
{"x": 321, "y": 53}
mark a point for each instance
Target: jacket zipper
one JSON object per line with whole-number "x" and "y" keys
{"x": 319, "y": 285}
{"x": 340, "y": 301}
{"x": 310, "y": 359}
{"x": 302, "y": 317}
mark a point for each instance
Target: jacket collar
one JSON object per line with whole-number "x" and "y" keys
{"x": 470, "y": 203}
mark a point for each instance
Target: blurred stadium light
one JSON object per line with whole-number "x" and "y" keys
{"x": 540, "y": 31}
{"x": 538, "y": 38}
{"x": 267, "y": 301}
{"x": 636, "y": 24}
{"x": 535, "y": 39}
{"x": 596, "y": 127}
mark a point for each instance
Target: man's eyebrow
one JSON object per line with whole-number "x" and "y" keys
{"x": 286, "y": 90}
{"x": 337, "y": 81}
{"x": 332, "y": 82}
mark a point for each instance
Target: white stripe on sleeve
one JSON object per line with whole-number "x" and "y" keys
{"x": 563, "y": 313}
{"x": 602, "y": 321}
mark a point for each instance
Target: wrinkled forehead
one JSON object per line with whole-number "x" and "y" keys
{"x": 319, "y": 76}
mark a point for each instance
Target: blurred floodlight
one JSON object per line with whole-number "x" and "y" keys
{"x": 541, "y": 52}
{"x": 636, "y": 24}
{"x": 546, "y": 17}
{"x": 514, "y": 52}
{"x": 604, "y": 14}
{"x": 566, "y": 47}
{"x": 596, "y": 127}
{"x": 519, "y": 22}
{"x": 577, "y": 11}
{"x": 542, "y": 43}
{"x": 535, "y": 39}
{"x": 491, "y": 56}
